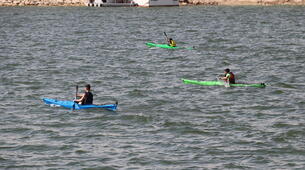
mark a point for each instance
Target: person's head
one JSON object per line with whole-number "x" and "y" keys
{"x": 88, "y": 87}
{"x": 170, "y": 39}
{"x": 227, "y": 70}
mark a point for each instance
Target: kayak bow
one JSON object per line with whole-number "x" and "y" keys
{"x": 73, "y": 105}
{"x": 221, "y": 83}
{"x": 166, "y": 46}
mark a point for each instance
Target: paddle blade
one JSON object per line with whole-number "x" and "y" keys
{"x": 165, "y": 34}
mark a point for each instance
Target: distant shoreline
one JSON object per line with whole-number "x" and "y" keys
{"x": 244, "y": 3}
{"x": 80, "y": 3}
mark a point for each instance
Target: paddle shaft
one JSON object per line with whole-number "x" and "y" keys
{"x": 76, "y": 91}
{"x": 166, "y": 36}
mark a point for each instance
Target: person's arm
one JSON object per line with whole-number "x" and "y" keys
{"x": 82, "y": 96}
{"x": 223, "y": 78}
{"x": 167, "y": 40}
{"x": 226, "y": 78}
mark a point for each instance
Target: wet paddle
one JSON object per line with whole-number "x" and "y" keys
{"x": 226, "y": 83}
{"x": 76, "y": 91}
{"x": 166, "y": 36}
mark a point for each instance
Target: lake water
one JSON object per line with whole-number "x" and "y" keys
{"x": 161, "y": 123}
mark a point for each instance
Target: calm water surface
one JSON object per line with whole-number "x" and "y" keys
{"x": 161, "y": 122}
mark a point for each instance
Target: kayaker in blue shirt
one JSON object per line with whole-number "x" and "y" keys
{"x": 228, "y": 76}
{"x": 86, "y": 98}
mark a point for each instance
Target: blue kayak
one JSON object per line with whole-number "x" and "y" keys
{"x": 73, "y": 105}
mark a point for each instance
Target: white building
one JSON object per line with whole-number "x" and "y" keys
{"x": 149, "y": 3}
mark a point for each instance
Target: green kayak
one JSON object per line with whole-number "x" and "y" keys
{"x": 221, "y": 83}
{"x": 166, "y": 46}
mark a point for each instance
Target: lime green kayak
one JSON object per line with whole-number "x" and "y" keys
{"x": 221, "y": 83}
{"x": 166, "y": 46}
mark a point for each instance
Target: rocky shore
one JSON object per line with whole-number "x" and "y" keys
{"x": 183, "y": 2}
{"x": 43, "y": 2}
{"x": 243, "y": 2}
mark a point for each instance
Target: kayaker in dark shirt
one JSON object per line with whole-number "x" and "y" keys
{"x": 228, "y": 76}
{"x": 86, "y": 98}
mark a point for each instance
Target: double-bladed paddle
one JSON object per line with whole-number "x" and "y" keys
{"x": 166, "y": 36}
{"x": 76, "y": 91}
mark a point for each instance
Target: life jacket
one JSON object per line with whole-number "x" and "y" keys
{"x": 88, "y": 98}
{"x": 172, "y": 43}
{"x": 231, "y": 78}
